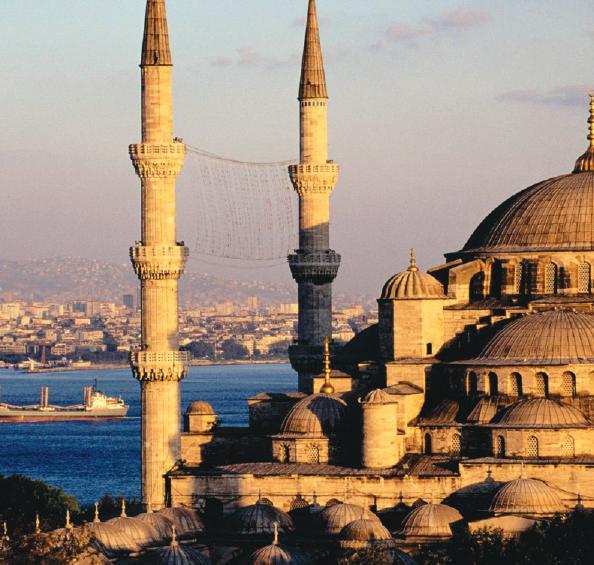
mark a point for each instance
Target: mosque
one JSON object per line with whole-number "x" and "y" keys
{"x": 470, "y": 403}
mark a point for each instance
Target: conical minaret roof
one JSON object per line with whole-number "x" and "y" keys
{"x": 155, "y": 46}
{"x": 313, "y": 78}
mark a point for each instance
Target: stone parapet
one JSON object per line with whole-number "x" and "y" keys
{"x": 317, "y": 268}
{"x": 309, "y": 179}
{"x": 160, "y": 365}
{"x": 157, "y": 161}
{"x": 158, "y": 262}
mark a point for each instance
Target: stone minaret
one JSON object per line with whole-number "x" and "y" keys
{"x": 314, "y": 265}
{"x": 159, "y": 261}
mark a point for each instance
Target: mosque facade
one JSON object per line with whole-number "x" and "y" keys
{"x": 471, "y": 400}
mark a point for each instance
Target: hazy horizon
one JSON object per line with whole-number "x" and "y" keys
{"x": 438, "y": 112}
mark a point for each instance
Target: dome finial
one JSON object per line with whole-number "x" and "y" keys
{"x": 327, "y": 387}
{"x": 68, "y": 525}
{"x": 413, "y": 262}
{"x": 275, "y": 540}
{"x": 37, "y": 523}
{"x": 586, "y": 161}
{"x": 173, "y": 537}
{"x": 96, "y": 519}
{"x": 123, "y": 512}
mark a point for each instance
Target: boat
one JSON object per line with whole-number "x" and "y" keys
{"x": 96, "y": 406}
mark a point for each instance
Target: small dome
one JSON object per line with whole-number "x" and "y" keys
{"x": 483, "y": 412}
{"x": 379, "y": 396}
{"x": 526, "y": 496}
{"x": 162, "y": 524}
{"x": 316, "y": 415}
{"x": 277, "y": 555}
{"x": 142, "y": 533}
{"x": 113, "y": 540}
{"x": 431, "y": 521}
{"x": 202, "y": 408}
{"x": 259, "y": 519}
{"x": 176, "y": 554}
{"x": 334, "y": 518}
{"x": 412, "y": 284}
{"x": 540, "y": 413}
{"x": 365, "y": 533}
{"x": 187, "y": 522}
{"x": 554, "y": 337}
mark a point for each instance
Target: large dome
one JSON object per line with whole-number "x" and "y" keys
{"x": 555, "y": 337}
{"x": 316, "y": 415}
{"x": 526, "y": 496}
{"x": 540, "y": 413}
{"x": 553, "y": 215}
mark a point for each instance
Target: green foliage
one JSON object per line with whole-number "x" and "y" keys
{"x": 21, "y": 498}
{"x": 202, "y": 349}
{"x": 111, "y": 507}
{"x": 372, "y": 555}
{"x": 232, "y": 349}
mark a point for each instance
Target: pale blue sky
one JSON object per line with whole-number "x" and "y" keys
{"x": 439, "y": 111}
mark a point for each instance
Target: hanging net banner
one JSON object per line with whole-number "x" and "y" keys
{"x": 247, "y": 212}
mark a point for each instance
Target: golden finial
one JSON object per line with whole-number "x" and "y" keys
{"x": 123, "y": 512}
{"x": 37, "y": 524}
{"x": 173, "y": 536}
{"x": 68, "y": 524}
{"x": 413, "y": 262}
{"x": 5, "y": 531}
{"x": 96, "y": 520}
{"x": 586, "y": 161}
{"x": 327, "y": 387}
{"x": 275, "y": 540}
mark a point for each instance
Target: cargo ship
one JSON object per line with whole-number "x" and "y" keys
{"x": 96, "y": 406}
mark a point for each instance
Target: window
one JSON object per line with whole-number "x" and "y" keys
{"x": 493, "y": 384}
{"x": 551, "y": 279}
{"x": 500, "y": 446}
{"x": 568, "y": 387}
{"x": 471, "y": 384}
{"x": 428, "y": 444}
{"x": 584, "y": 277}
{"x": 496, "y": 279}
{"x": 429, "y": 349}
{"x": 519, "y": 278}
{"x": 284, "y": 454}
{"x": 568, "y": 447}
{"x": 515, "y": 384}
{"x": 542, "y": 385}
{"x": 477, "y": 286}
{"x": 532, "y": 447}
{"x": 456, "y": 444}
{"x": 313, "y": 454}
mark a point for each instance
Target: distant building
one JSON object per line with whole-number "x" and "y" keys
{"x": 289, "y": 308}
{"x": 128, "y": 301}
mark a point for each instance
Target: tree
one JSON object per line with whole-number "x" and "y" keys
{"x": 232, "y": 349}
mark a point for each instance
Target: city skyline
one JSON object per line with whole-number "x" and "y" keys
{"x": 434, "y": 99}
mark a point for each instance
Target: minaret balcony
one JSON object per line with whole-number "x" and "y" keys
{"x": 317, "y": 268}
{"x": 314, "y": 178}
{"x": 157, "y": 160}
{"x": 158, "y": 262}
{"x": 160, "y": 365}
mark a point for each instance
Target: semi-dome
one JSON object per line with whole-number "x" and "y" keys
{"x": 316, "y": 415}
{"x": 142, "y": 533}
{"x": 201, "y": 408}
{"x": 275, "y": 554}
{"x": 412, "y": 284}
{"x": 540, "y": 413}
{"x": 430, "y": 521}
{"x": 363, "y": 533}
{"x": 334, "y": 518}
{"x": 553, "y": 337}
{"x": 553, "y": 215}
{"x": 484, "y": 411}
{"x": 187, "y": 522}
{"x": 259, "y": 519}
{"x": 526, "y": 496}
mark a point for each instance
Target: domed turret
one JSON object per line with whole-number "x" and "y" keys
{"x": 200, "y": 417}
{"x": 259, "y": 519}
{"x": 365, "y": 533}
{"x": 380, "y": 429}
{"x": 334, "y": 518}
{"x": 412, "y": 284}
{"x": 526, "y": 496}
{"x": 431, "y": 521}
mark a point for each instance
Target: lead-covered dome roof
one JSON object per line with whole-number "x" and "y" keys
{"x": 316, "y": 415}
{"x": 526, "y": 496}
{"x": 259, "y": 519}
{"x": 364, "y": 533}
{"x": 430, "y": 520}
{"x": 412, "y": 284}
{"x": 334, "y": 518}
{"x": 275, "y": 554}
{"x": 540, "y": 413}
{"x": 554, "y": 337}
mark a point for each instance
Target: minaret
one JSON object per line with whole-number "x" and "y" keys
{"x": 314, "y": 265}
{"x": 159, "y": 261}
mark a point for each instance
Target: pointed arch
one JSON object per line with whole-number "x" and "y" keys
{"x": 515, "y": 384}
{"x": 541, "y": 385}
{"x": 500, "y": 446}
{"x": 471, "y": 384}
{"x": 493, "y": 384}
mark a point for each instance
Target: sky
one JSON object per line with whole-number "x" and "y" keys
{"x": 439, "y": 110}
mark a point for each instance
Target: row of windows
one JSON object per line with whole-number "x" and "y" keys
{"x": 313, "y": 103}
{"x": 526, "y": 277}
{"x": 312, "y": 454}
{"x": 516, "y": 387}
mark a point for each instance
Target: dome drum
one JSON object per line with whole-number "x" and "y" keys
{"x": 552, "y": 444}
{"x": 315, "y": 451}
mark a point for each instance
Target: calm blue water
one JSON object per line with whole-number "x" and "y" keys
{"x": 90, "y": 459}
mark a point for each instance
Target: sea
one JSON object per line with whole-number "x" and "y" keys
{"x": 91, "y": 459}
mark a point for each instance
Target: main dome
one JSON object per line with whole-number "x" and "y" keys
{"x": 554, "y": 215}
{"x": 553, "y": 337}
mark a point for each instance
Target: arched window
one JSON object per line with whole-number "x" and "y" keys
{"x": 519, "y": 278}
{"x": 428, "y": 444}
{"x": 551, "y": 278}
{"x": 500, "y": 446}
{"x": 532, "y": 447}
{"x": 584, "y": 277}
{"x": 496, "y": 279}
{"x": 568, "y": 447}
{"x": 542, "y": 385}
{"x": 515, "y": 384}
{"x": 313, "y": 454}
{"x": 456, "y": 444}
{"x": 477, "y": 286}
{"x": 284, "y": 453}
{"x": 493, "y": 384}
{"x": 568, "y": 386}
{"x": 471, "y": 384}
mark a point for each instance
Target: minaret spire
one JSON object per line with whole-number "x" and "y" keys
{"x": 155, "y": 45}
{"x": 313, "y": 77}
